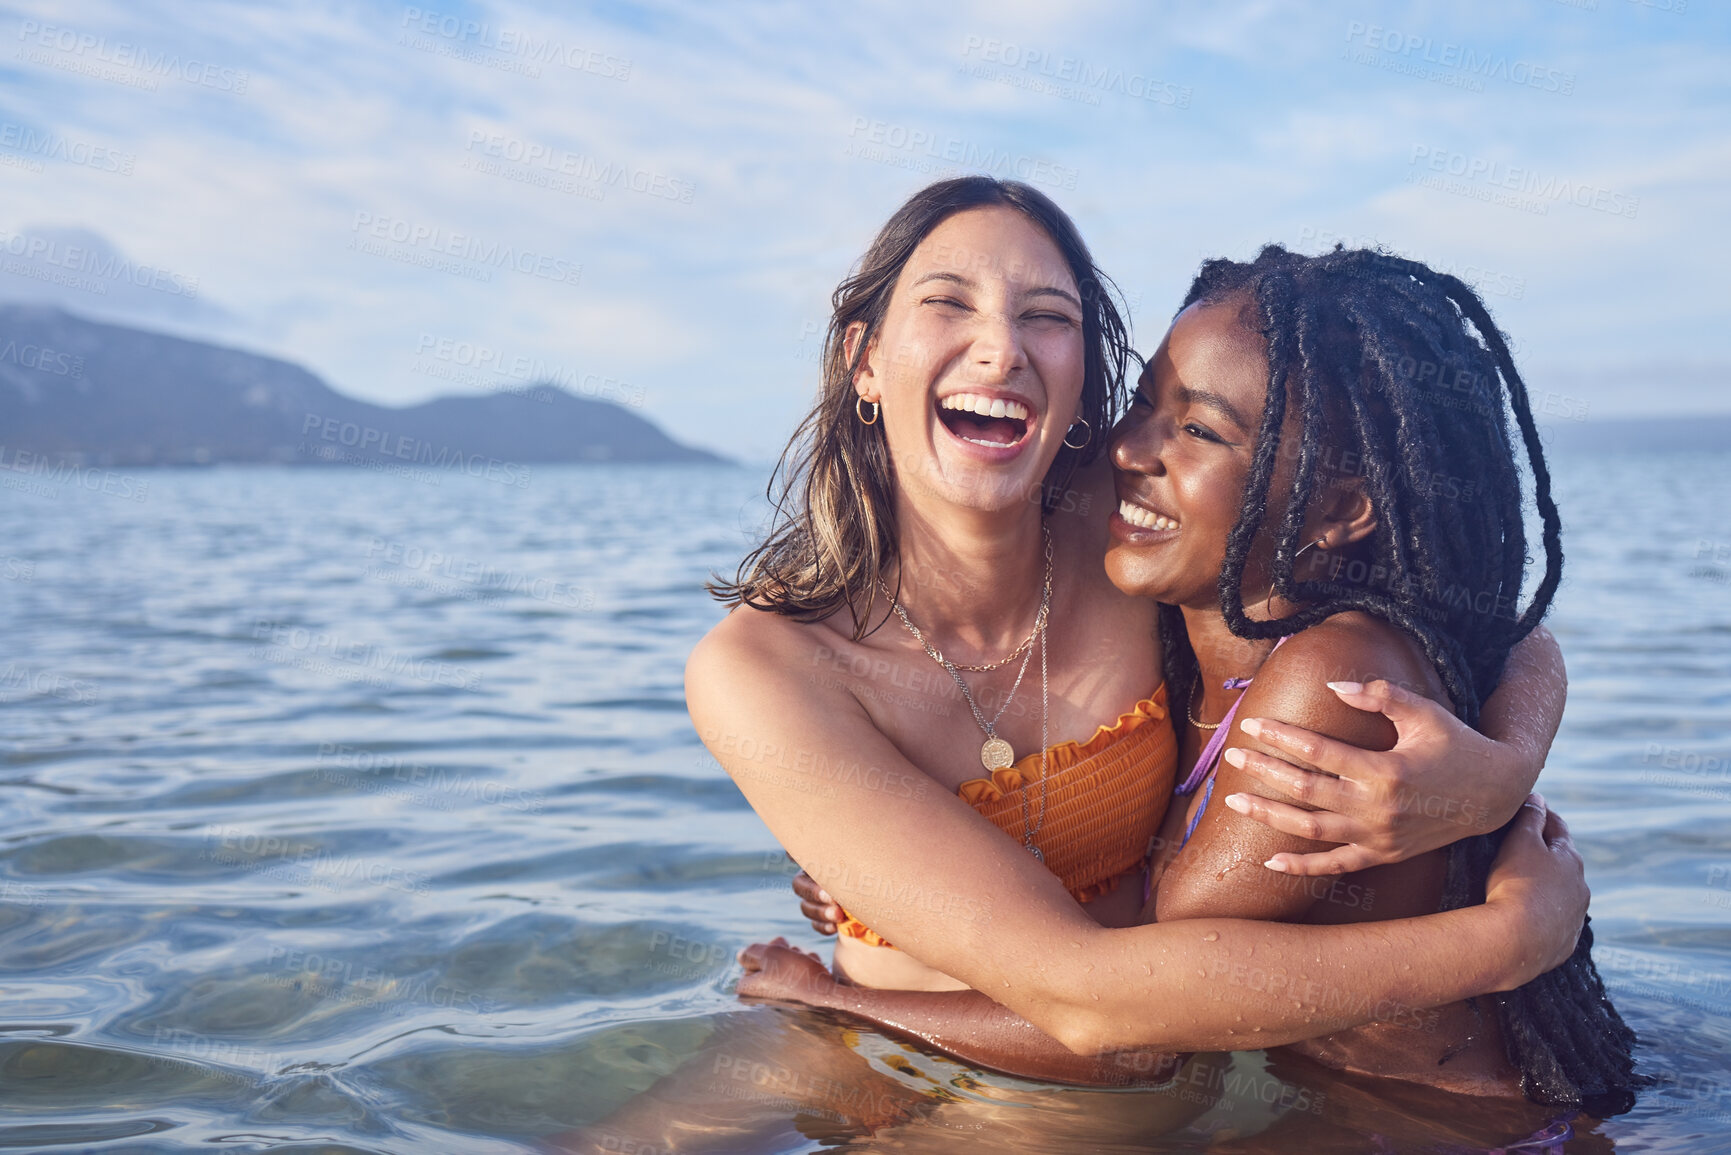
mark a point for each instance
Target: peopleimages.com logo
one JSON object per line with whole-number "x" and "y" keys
{"x": 370, "y": 443}
{"x": 531, "y": 49}
{"x": 100, "y": 266}
{"x": 1459, "y": 60}
{"x": 418, "y": 243}
{"x": 1517, "y": 186}
{"x": 32, "y": 142}
{"x": 919, "y": 149}
{"x": 88, "y": 52}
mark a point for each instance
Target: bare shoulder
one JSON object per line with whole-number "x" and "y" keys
{"x": 752, "y": 645}
{"x": 754, "y": 668}
{"x": 746, "y": 636}
{"x": 1216, "y": 874}
{"x": 1292, "y": 684}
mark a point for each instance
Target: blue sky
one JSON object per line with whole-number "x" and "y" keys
{"x": 652, "y": 202}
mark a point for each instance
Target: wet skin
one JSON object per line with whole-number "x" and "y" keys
{"x": 1182, "y": 455}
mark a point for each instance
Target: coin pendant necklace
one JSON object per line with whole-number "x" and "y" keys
{"x": 995, "y": 752}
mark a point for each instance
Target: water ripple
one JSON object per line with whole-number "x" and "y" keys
{"x": 349, "y": 814}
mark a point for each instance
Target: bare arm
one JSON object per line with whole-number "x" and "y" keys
{"x": 965, "y": 1024}
{"x": 1535, "y": 864}
{"x": 1442, "y": 780}
{"x": 1219, "y": 871}
{"x": 927, "y": 871}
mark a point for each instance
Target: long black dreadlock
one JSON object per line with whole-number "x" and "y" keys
{"x": 1403, "y": 367}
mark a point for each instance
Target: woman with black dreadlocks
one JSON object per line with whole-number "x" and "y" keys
{"x": 1317, "y": 481}
{"x": 1329, "y": 391}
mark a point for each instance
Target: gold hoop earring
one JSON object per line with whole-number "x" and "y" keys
{"x": 1320, "y": 543}
{"x": 859, "y": 405}
{"x": 1084, "y": 424}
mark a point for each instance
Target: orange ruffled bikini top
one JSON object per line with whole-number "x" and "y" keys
{"x": 1104, "y": 802}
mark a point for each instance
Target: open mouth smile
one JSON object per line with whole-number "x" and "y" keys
{"x": 1144, "y": 518}
{"x": 1134, "y": 522}
{"x": 994, "y": 422}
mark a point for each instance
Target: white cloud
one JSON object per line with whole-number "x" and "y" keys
{"x": 753, "y": 107}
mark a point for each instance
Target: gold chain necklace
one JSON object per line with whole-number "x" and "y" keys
{"x": 1039, "y": 624}
{"x": 995, "y": 752}
{"x": 1195, "y": 692}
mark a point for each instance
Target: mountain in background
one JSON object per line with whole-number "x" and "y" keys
{"x": 82, "y": 270}
{"x": 93, "y": 393}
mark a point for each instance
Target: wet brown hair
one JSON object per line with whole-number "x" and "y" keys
{"x": 833, "y": 530}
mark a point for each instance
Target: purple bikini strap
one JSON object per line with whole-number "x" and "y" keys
{"x": 1204, "y": 769}
{"x": 1217, "y": 741}
{"x": 1211, "y": 752}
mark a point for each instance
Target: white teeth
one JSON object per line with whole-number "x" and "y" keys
{"x": 985, "y": 406}
{"x": 1142, "y": 518}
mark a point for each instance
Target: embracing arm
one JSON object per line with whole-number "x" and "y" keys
{"x": 1364, "y": 799}
{"x": 1536, "y": 869}
{"x": 965, "y": 1024}
{"x": 1523, "y": 714}
{"x": 935, "y": 877}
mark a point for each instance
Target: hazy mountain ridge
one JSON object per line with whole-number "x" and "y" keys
{"x": 98, "y": 393}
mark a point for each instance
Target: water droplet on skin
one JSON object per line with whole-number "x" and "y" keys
{"x": 1096, "y": 998}
{"x": 1211, "y": 936}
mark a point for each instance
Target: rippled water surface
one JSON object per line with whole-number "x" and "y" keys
{"x": 343, "y": 812}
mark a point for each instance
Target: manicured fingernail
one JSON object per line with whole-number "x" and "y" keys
{"x": 823, "y": 897}
{"x": 1234, "y": 756}
{"x": 1275, "y": 865}
{"x": 1347, "y": 687}
{"x": 1238, "y": 802}
{"x": 1251, "y": 726}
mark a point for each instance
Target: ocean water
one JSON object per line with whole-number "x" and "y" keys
{"x": 348, "y": 812}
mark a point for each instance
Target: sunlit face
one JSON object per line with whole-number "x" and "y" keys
{"x": 1182, "y": 454}
{"x": 978, "y": 364}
